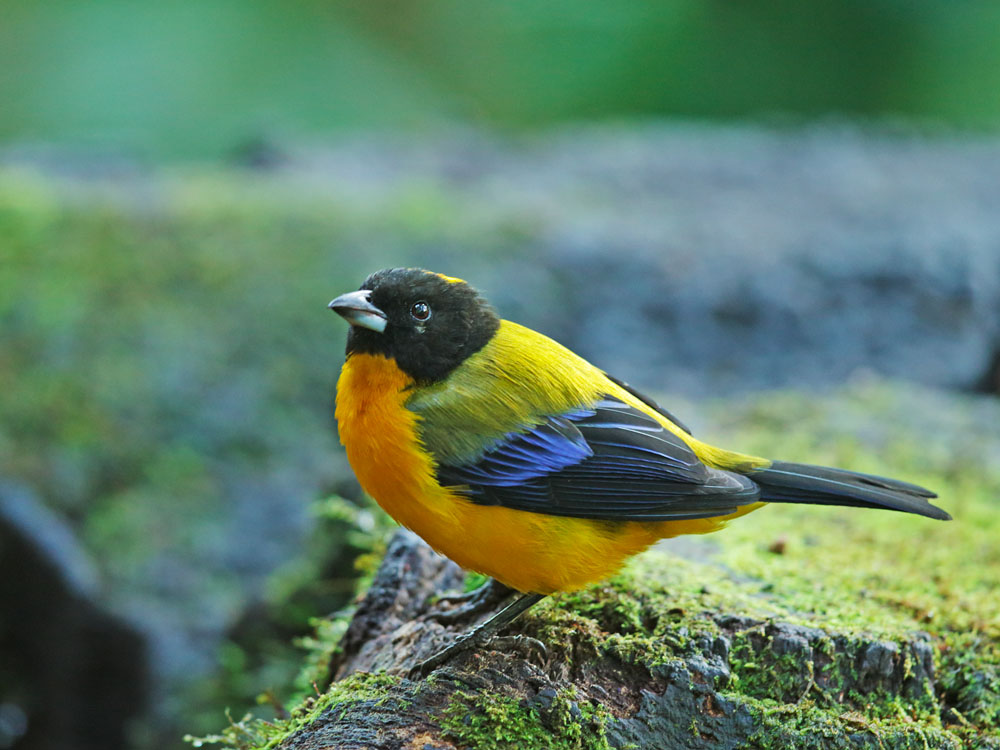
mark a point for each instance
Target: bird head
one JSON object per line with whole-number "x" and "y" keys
{"x": 428, "y": 323}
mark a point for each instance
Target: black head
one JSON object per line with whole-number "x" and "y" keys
{"x": 427, "y": 322}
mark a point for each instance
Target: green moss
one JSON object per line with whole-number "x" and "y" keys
{"x": 760, "y": 674}
{"x": 970, "y": 680}
{"x": 807, "y": 726}
{"x": 257, "y": 734}
{"x": 558, "y": 722}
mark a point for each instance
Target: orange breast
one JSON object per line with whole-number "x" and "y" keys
{"x": 527, "y": 551}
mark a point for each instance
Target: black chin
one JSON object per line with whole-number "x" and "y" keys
{"x": 365, "y": 341}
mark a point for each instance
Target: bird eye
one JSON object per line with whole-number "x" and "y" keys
{"x": 420, "y": 311}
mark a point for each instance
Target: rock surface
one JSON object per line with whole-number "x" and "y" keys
{"x": 715, "y": 685}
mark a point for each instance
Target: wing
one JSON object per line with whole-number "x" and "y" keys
{"x": 648, "y": 402}
{"x": 610, "y": 461}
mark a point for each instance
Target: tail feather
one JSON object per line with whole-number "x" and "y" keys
{"x": 784, "y": 482}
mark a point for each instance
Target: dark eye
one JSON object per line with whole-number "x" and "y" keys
{"x": 420, "y": 311}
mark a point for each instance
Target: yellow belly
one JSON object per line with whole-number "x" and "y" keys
{"x": 531, "y": 552}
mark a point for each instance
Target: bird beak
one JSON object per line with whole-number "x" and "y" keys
{"x": 355, "y": 308}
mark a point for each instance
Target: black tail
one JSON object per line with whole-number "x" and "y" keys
{"x": 817, "y": 485}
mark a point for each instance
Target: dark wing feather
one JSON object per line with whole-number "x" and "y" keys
{"x": 610, "y": 461}
{"x": 648, "y": 402}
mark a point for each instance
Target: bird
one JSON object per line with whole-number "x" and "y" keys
{"x": 520, "y": 460}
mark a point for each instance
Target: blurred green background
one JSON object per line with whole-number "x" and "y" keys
{"x": 198, "y": 78}
{"x": 166, "y": 364}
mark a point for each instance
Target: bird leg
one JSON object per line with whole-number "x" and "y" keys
{"x": 479, "y": 634}
{"x": 486, "y": 598}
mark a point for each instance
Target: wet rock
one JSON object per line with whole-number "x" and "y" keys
{"x": 877, "y": 660}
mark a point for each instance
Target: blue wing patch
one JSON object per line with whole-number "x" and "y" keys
{"x": 608, "y": 461}
{"x": 546, "y": 449}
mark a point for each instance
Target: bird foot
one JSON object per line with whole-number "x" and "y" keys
{"x": 524, "y": 645}
{"x": 478, "y": 635}
{"x": 460, "y": 644}
{"x": 473, "y": 603}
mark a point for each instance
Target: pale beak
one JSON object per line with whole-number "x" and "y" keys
{"x": 355, "y": 308}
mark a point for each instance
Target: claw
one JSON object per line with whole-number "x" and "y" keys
{"x": 484, "y": 599}
{"x": 477, "y": 635}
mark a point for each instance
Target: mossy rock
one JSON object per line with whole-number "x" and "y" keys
{"x": 796, "y": 627}
{"x": 623, "y": 668}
